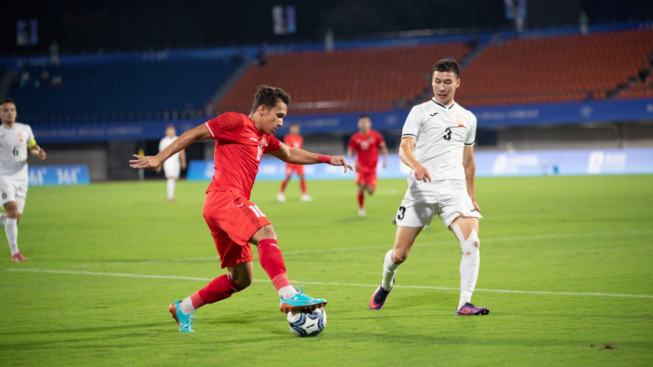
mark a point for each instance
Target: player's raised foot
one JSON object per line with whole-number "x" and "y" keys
{"x": 281, "y": 197}
{"x": 18, "y": 258}
{"x": 379, "y": 296}
{"x": 469, "y": 310}
{"x": 361, "y": 212}
{"x": 184, "y": 321}
{"x": 305, "y": 197}
{"x": 301, "y": 301}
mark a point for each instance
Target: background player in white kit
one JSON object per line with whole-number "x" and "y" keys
{"x": 174, "y": 164}
{"x": 16, "y": 140}
{"x": 437, "y": 143}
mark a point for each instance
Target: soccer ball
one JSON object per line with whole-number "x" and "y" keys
{"x": 307, "y": 323}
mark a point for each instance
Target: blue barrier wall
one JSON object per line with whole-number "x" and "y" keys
{"x": 514, "y": 115}
{"x": 58, "y": 175}
{"x": 488, "y": 164}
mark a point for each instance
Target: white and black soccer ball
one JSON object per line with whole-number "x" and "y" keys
{"x": 307, "y": 323}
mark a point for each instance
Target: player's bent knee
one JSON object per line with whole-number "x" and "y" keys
{"x": 399, "y": 257}
{"x": 470, "y": 246}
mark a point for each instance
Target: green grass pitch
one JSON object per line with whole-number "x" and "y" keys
{"x": 574, "y": 252}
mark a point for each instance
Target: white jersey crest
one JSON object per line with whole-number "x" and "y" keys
{"x": 440, "y": 134}
{"x": 13, "y": 151}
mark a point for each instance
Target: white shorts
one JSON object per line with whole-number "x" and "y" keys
{"x": 12, "y": 190}
{"x": 447, "y": 199}
{"x": 171, "y": 169}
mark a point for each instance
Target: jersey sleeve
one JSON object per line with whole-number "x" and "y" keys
{"x": 413, "y": 124}
{"x": 226, "y": 126}
{"x": 471, "y": 135}
{"x": 30, "y": 137}
{"x": 273, "y": 144}
{"x": 352, "y": 143}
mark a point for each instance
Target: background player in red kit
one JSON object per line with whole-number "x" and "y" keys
{"x": 234, "y": 221}
{"x": 365, "y": 144}
{"x": 294, "y": 140}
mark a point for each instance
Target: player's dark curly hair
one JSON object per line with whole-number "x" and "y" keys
{"x": 7, "y": 100}
{"x": 266, "y": 95}
{"x": 447, "y": 65}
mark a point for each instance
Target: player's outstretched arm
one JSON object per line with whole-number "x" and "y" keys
{"x": 200, "y": 132}
{"x": 384, "y": 152}
{"x": 300, "y": 156}
{"x": 406, "y": 155}
{"x": 470, "y": 171}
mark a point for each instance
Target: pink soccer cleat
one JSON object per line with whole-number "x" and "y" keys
{"x": 469, "y": 309}
{"x": 18, "y": 258}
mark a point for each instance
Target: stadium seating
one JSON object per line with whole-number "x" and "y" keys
{"x": 556, "y": 69}
{"x": 347, "y": 80}
{"x": 121, "y": 91}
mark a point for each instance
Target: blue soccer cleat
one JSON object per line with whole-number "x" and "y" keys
{"x": 301, "y": 302}
{"x": 184, "y": 321}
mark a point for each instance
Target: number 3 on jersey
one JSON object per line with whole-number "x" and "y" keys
{"x": 447, "y": 136}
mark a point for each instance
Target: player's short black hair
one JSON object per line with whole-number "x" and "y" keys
{"x": 447, "y": 65}
{"x": 268, "y": 96}
{"x": 7, "y": 100}
{"x": 364, "y": 117}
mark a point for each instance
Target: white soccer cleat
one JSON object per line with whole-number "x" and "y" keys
{"x": 281, "y": 197}
{"x": 361, "y": 212}
{"x": 305, "y": 197}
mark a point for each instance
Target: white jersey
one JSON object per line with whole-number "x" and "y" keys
{"x": 164, "y": 144}
{"x": 13, "y": 151}
{"x": 440, "y": 133}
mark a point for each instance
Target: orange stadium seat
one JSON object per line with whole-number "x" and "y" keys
{"x": 557, "y": 69}
{"x": 343, "y": 81}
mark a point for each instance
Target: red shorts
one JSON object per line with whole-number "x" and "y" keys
{"x": 297, "y": 168}
{"x": 366, "y": 176}
{"x": 233, "y": 220}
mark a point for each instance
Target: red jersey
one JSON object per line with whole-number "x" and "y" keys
{"x": 294, "y": 141}
{"x": 239, "y": 146}
{"x": 366, "y": 148}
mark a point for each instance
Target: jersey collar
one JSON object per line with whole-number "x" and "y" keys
{"x": 441, "y": 105}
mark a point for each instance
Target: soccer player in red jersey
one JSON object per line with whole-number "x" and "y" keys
{"x": 294, "y": 140}
{"x": 235, "y": 222}
{"x": 365, "y": 144}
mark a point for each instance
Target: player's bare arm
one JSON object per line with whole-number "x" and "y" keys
{"x": 406, "y": 155}
{"x": 470, "y": 171}
{"x": 37, "y": 151}
{"x": 384, "y": 151}
{"x": 300, "y": 156}
{"x": 198, "y": 133}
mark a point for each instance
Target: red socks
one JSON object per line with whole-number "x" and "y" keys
{"x": 271, "y": 260}
{"x": 220, "y": 288}
{"x": 283, "y": 184}
{"x": 302, "y": 184}
{"x": 361, "y": 200}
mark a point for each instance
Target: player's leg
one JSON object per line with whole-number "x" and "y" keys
{"x": 466, "y": 231}
{"x": 370, "y": 183}
{"x": 412, "y": 218}
{"x": 281, "y": 196}
{"x": 302, "y": 184}
{"x": 360, "y": 183}
{"x": 9, "y": 200}
{"x": 172, "y": 170}
{"x": 272, "y": 262}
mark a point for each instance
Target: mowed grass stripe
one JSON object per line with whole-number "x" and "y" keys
{"x": 128, "y": 275}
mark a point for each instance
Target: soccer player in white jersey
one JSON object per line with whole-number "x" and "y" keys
{"x": 16, "y": 140}
{"x": 174, "y": 164}
{"x": 437, "y": 143}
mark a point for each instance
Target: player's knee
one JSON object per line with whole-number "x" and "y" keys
{"x": 470, "y": 246}
{"x": 370, "y": 190}
{"x": 399, "y": 257}
{"x": 243, "y": 280}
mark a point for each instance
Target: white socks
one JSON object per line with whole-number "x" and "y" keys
{"x": 171, "y": 188}
{"x": 389, "y": 271}
{"x": 469, "y": 264}
{"x": 3, "y": 218}
{"x": 287, "y": 292}
{"x": 187, "y": 306}
{"x": 11, "y": 228}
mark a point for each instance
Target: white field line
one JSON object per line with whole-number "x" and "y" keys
{"x": 452, "y": 241}
{"x": 128, "y": 275}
